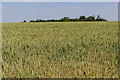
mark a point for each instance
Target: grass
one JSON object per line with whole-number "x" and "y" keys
{"x": 60, "y": 50}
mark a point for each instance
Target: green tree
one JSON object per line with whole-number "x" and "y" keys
{"x": 91, "y": 18}
{"x": 82, "y": 18}
{"x": 100, "y": 19}
{"x": 32, "y": 21}
{"x": 24, "y": 21}
{"x": 76, "y": 19}
{"x": 65, "y": 19}
{"x": 38, "y": 20}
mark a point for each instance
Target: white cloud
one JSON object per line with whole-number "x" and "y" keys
{"x": 74, "y": 7}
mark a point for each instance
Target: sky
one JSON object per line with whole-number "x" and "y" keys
{"x": 60, "y": 0}
{"x": 19, "y": 11}
{"x": 0, "y": 13}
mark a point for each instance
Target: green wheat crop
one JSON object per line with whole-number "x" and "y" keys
{"x": 60, "y": 50}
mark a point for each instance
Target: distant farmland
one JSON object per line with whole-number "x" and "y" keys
{"x": 54, "y": 49}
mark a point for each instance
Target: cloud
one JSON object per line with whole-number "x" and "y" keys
{"x": 28, "y": 0}
{"x": 74, "y": 7}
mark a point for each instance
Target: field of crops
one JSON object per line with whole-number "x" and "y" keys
{"x": 57, "y": 50}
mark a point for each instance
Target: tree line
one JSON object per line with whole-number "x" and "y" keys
{"x": 67, "y": 19}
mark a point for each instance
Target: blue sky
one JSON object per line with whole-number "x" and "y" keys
{"x": 60, "y": 0}
{"x": 18, "y": 11}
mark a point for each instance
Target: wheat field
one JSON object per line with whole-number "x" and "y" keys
{"x": 60, "y": 50}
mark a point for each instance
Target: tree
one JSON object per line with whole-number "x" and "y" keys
{"x": 82, "y": 18}
{"x": 32, "y": 21}
{"x": 24, "y": 21}
{"x": 104, "y": 19}
{"x": 38, "y": 20}
{"x": 100, "y": 19}
{"x": 76, "y": 19}
{"x": 91, "y": 18}
{"x": 65, "y": 19}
